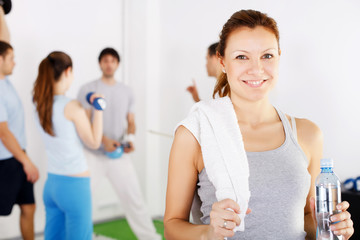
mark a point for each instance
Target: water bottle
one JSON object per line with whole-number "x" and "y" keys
{"x": 328, "y": 195}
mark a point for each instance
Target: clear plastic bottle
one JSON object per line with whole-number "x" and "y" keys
{"x": 328, "y": 195}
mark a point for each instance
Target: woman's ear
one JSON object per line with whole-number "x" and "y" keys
{"x": 221, "y": 59}
{"x": 68, "y": 71}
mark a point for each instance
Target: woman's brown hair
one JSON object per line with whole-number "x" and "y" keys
{"x": 243, "y": 18}
{"x": 50, "y": 70}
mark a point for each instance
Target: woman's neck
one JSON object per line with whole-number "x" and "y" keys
{"x": 59, "y": 88}
{"x": 253, "y": 112}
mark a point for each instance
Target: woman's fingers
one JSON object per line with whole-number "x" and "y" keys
{"x": 248, "y": 211}
{"x": 95, "y": 95}
{"x": 346, "y": 232}
{"x": 222, "y": 215}
{"x": 222, "y": 232}
{"x": 228, "y": 203}
{"x": 342, "y": 223}
{"x": 224, "y": 218}
{"x": 340, "y": 217}
{"x": 343, "y": 206}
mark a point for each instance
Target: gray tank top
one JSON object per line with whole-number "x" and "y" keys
{"x": 279, "y": 183}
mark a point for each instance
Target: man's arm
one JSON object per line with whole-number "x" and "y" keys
{"x": 130, "y": 132}
{"x": 131, "y": 123}
{"x": 12, "y": 145}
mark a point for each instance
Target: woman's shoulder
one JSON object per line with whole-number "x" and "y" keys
{"x": 73, "y": 108}
{"x": 308, "y": 129}
{"x": 193, "y": 119}
{"x": 309, "y": 134}
{"x": 189, "y": 124}
{"x": 73, "y": 104}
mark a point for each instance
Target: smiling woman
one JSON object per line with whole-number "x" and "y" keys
{"x": 255, "y": 67}
{"x": 265, "y": 34}
{"x": 280, "y": 152}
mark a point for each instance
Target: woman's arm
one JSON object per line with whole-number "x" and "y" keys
{"x": 89, "y": 133}
{"x": 184, "y": 166}
{"x": 182, "y": 180}
{"x": 310, "y": 139}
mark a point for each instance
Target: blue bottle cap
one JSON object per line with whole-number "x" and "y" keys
{"x": 327, "y": 163}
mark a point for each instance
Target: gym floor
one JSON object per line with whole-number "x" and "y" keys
{"x": 114, "y": 229}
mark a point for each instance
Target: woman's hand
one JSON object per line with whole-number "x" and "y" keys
{"x": 223, "y": 219}
{"x": 344, "y": 225}
{"x": 95, "y": 95}
{"x": 341, "y": 222}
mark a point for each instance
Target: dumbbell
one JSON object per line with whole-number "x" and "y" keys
{"x": 98, "y": 103}
{"x": 6, "y": 5}
{"x": 352, "y": 184}
{"x": 118, "y": 152}
{"x": 357, "y": 184}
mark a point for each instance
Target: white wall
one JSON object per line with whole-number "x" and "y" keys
{"x": 81, "y": 29}
{"x": 319, "y": 77}
{"x": 164, "y": 44}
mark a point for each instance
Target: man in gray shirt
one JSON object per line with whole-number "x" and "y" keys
{"x": 119, "y": 127}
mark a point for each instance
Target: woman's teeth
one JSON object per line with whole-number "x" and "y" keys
{"x": 254, "y": 83}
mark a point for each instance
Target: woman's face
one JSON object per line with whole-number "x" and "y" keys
{"x": 251, "y": 62}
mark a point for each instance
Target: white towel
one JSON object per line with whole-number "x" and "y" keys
{"x": 223, "y": 152}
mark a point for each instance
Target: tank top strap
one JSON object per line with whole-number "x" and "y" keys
{"x": 285, "y": 122}
{"x": 290, "y": 130}
{"x": 293, "y": 125}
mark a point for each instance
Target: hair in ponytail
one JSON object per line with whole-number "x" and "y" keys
{"x": 50, "y": 70}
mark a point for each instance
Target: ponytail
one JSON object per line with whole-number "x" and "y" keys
{"x": 222, "y": 87}
{"x": 50, "y": 70}
{"x": 43, "y": 95}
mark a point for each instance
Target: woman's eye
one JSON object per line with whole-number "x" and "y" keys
{"x": 242, "y": 57}
{"x": 268, "y": 56}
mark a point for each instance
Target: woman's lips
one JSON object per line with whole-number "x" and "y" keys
{"x": 254, "y": 83}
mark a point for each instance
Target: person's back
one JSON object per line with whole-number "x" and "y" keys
{"x": 64, "y": 149}
{"x": 63, "y": 123}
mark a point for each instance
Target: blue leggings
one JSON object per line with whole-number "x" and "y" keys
{"x": 68, "y": 208}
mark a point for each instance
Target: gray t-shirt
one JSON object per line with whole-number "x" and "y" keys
{"x": 119, "y": 102}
